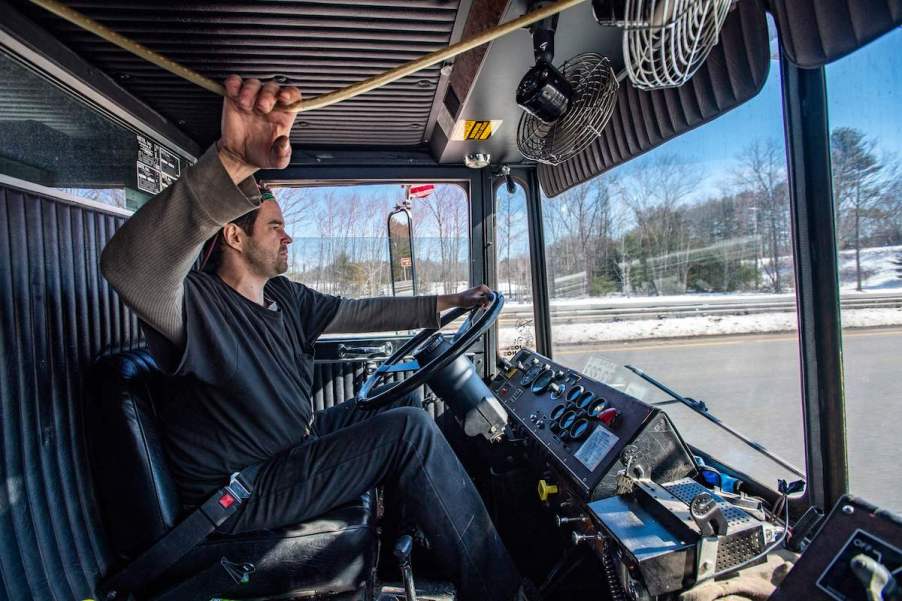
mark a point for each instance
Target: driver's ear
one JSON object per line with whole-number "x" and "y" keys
{"x": 233, "y": 236}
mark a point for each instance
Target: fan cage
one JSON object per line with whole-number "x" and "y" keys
{"x": 590, "y": 108}
{"x": 668, "y": 56}
{"x": 642, "y": 14}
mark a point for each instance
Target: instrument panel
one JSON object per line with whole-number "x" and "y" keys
{"x": 626, "y": 481}
{"x": 588, "y": 430}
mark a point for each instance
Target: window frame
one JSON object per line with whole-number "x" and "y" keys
{"x": 477, "y": 186}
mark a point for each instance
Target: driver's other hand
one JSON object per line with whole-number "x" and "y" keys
{"x": 255, "y": 129}
{"x": 480, "y": 295}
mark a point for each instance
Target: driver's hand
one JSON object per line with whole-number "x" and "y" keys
{"x": 254, "y": 130}
{"x": 478, "y": 296}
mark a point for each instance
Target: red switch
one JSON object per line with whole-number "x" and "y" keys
{"x": 226, "y": 500}
{"x": 610, "y": 417}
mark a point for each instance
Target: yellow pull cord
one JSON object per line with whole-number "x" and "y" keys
{"x": 323, "y": 100}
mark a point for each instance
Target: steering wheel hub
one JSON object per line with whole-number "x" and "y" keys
{"x": 437, "y": 359}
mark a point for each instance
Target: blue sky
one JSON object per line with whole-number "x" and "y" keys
{"x": 864, "y": 91}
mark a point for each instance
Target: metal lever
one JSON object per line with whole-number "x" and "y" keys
{"x": 364, "y": 352}
{"x": 580, "y": 538}
{"x": 560, "y": 521}
{"x": 403, "y": 548}
{"x": 877, "y": 580}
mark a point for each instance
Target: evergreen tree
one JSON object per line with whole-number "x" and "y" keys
{"x": 898, "y": 263}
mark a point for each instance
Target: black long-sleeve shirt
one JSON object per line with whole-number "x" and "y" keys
{"x": 243, "y": 372}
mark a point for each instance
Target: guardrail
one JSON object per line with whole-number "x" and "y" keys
{"x": 702, "y": 307}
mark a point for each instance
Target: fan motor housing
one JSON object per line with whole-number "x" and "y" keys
{"x": 544, "y": 93}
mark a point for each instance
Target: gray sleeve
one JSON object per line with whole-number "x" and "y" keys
{"x": 384, "y": 314}
{"x": 149, "y": 257}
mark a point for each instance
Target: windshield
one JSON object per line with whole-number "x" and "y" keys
{"x": 680, "y": 263}
{"x": 713, "y": 433}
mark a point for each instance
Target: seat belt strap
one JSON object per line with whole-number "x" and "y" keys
{"x": 176, "y": 543}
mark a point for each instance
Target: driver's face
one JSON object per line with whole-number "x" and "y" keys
{"x": 267, "y": 248}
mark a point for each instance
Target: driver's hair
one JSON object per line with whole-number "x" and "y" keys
{"x": 211, "y": 255}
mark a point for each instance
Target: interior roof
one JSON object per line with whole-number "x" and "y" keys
{"x": 323, "y": 45}
{"x": 319, "y": 45}
{"x": 493, "y": 94}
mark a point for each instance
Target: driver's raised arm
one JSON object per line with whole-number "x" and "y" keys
{"x": 400, "y": 313}
{"x": 150, "y": 256}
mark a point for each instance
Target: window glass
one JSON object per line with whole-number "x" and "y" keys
{"x": 50, "y": 138}
{"x": 680, "y": 263}
{"x": 341, "y": 238}
{"x": 864, "y": 90}
{"x": 516, "y": 324}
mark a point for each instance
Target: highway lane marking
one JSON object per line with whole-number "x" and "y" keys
{"x": 733, "y": 341}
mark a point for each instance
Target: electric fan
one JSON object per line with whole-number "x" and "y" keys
{"x": 564, "y": 108}
{"x": 664, "y": 41}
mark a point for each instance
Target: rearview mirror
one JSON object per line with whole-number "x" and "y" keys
{"x": 400, "y": 253}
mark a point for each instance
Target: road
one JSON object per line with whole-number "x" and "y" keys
{"x": 753, "y": 384}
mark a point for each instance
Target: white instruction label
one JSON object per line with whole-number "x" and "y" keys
{"x": 595, "y": 448}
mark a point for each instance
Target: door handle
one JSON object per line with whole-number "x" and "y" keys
{"x": 364, "y": 352}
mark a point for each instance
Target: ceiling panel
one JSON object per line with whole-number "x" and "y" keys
{"x": 318, "y": 45}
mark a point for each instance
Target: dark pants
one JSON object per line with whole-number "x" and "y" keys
{"x": 400, "y": 447}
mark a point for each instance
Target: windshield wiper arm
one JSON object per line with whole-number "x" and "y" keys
{"x": 702, "y": 409}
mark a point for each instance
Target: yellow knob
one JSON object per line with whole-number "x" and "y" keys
{"x": 546, "y": 490}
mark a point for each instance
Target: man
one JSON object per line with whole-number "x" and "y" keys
{"x": 241, "y": 340}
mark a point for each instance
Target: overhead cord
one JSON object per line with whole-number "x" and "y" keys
{"x": 324, "y": 100}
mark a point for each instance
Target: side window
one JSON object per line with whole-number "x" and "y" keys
{"x": 340, "y": 237}
{"x": 516, "y": 324}
{"x": 866, "y": 157}
{"x": 679, "y": 263}
{"x": 54, "y": 140}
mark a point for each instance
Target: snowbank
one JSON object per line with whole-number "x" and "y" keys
{"x": 686, "y": 327}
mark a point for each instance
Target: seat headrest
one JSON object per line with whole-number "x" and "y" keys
{"x": 137, "y": 495}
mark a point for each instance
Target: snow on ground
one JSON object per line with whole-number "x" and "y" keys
{"x": 686, "y": 327}
{"x": 878, "y": 271}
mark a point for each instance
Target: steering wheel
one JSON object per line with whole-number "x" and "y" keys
{"x": 477, "y": 322}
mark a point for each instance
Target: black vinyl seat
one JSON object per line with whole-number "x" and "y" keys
{"x": 334, "y": 554}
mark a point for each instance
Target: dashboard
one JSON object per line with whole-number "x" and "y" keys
{"x": 617, "y": 473}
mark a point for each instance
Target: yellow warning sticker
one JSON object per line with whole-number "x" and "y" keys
{"x": 467, "y": 129}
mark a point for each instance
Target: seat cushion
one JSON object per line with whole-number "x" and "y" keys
{"x": 331, "y": 554}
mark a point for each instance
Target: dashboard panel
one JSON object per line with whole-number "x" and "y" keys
{"x": 588, "y": 430}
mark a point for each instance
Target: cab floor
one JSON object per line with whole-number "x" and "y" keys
{"x": 426, "y": 591}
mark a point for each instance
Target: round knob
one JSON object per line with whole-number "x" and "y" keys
{"x": 546, "y": 490}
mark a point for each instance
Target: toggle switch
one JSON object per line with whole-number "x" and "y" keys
{"x": 610, "y": 417}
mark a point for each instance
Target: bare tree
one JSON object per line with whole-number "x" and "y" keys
{"x": 655, "y": 191}
{"x": 579, "y": 226}
{"x": 856, "y": 172}
{"x": 762, "y": 173}
{"x": 512, "y": 243}
{"x": 444, "y": 213}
